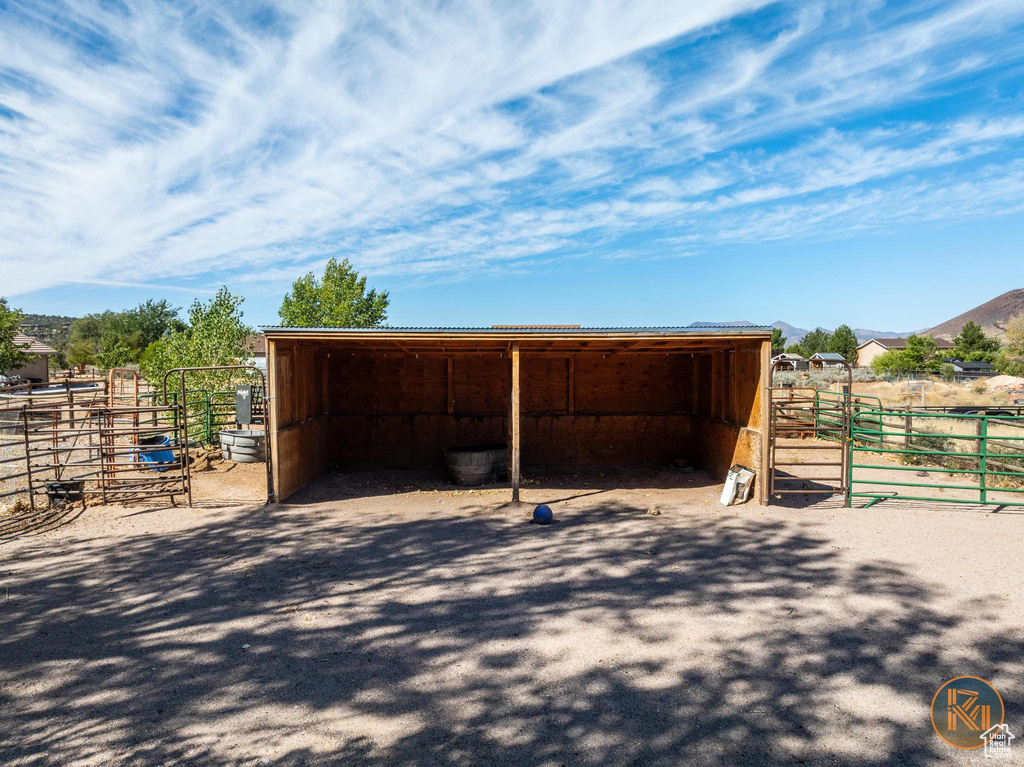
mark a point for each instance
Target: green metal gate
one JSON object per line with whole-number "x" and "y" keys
{"x": 958, "y": 458}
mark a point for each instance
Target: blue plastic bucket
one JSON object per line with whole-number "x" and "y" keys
{"x": 147, "y": 454}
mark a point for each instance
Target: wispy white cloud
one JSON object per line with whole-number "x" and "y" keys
{"x": 145, "y": 143}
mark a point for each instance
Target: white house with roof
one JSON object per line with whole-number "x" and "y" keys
{"x": 827, "y": 360}
{"x": 784, "y": 361}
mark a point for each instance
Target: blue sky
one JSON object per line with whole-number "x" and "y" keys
{"x": 616, "y": 162}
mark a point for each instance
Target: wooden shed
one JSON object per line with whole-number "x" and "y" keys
{"x": 358, "y": 399}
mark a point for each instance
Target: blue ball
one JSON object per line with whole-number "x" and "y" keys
{"x": 542, "y": 515}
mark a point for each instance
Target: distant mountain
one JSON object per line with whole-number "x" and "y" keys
{"x": 991, "y": 315}
{"x": 864, "y": 334}
{"x": 793, "y": 334}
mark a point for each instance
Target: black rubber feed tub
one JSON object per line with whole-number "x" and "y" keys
{"x": 477, "y": 464}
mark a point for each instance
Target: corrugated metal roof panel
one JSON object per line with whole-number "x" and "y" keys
{"x": 696, "y": 329}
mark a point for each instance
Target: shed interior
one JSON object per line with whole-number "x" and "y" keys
{"x": 371, "y": 401}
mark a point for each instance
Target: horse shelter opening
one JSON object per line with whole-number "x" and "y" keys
{"x": 557, "y": 396}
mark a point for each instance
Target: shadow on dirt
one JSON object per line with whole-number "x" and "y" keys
{"x": 160, "y": 649}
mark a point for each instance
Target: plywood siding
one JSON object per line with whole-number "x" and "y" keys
{"x": 399, "y": 383}
{"x": 358, "y": 409}
{"x": 718, "y": 445}
{"x": 637, "y": 383}
{"x": 727, "y": 424}
{"x": 545, "y": 383}
{"x": 299, "y": 420}
{"x": 629, "y": 409}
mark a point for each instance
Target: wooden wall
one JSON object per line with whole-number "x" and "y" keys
{"x": 727, "y": 426}
{"x": 397, "y": 410}
{"x": 353, "y": 409}
{"x": 300, "y": 448}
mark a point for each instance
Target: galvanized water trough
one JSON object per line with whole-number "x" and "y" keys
{"x": 243, "y": 446}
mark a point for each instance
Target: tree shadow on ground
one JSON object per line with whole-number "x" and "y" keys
{"x": 312, "y": 635}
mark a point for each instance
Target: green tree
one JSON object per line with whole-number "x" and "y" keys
{"x": 80, "y": 353}
{"x": 892, "y": 362}
{"x": 118, "y": 338}
{"x": 1011, "y": 361}
{"x": 816, "y": 341}
{"x": 215, "y": 335}
{"x": 972, "y": 345}
{"x": 844, "y": 342}
{"x": 339, "y": 300}
{"x": 778, "y": 340}
{"x": 115, "y": 354}
{"x": 796, "y": 349}
{"x": 12, "y": 356}
{"x": 921, "y": 354}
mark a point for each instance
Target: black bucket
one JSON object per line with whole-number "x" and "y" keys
{"x": 60, "y": 494}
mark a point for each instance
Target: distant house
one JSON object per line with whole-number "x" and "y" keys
{"x": 785, "y": 361}
{"x": 868, "y": 350}
{"x": 826, "y": 360}
{"x": 258, "y": 355}
{"x": 971, "y": 369}
{"x": 36, "y": 369}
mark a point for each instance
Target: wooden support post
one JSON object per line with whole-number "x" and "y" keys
{"x": 694, "y": 382}
{"x": 513, "y": 422}
{"x": 765, "y": 425}
{"x": 451, "y": 389}
{"x": 570, "y": 394}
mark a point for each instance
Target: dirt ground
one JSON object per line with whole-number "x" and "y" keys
{"x": 391, "y": 620}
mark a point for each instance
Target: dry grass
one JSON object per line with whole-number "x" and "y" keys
{"x": 935, "y": 394}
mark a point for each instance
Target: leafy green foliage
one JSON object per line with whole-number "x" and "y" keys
{"x": 844, "y": 342}
{"x": 12, "y": 356}
{"x": 923, "y": 353}
{"x": 215, "y": 335}
{"x": 816, "y": 341}
{"x": 50, "y": 329}
{"x": 778, "y": 340}
{"x": 114, "y": 354}
{"x": 339, "y": 300}
{"x": 972, "y": 345}
{"x": 1011, "y": 361}
{"x": 796, "y": 349}
{"x": 920, "y": 355}
{"x": 80, "y": 353}
{"x": 112, "y": 339}
{"x": 891, "y": 362}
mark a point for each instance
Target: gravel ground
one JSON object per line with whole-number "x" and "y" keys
{"x": 381, "y": 619}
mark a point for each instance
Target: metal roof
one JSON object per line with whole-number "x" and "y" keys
{"x": 695, "y": 329}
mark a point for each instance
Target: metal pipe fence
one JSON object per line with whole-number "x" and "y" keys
{"x": 74, "y": 450}
{"x": 986, "y": 451}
